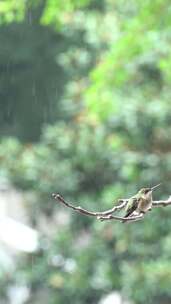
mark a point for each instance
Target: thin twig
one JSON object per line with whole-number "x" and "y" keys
{"x": 162, "y": 203}
{"x": 107, "y": 215}
{"x": 122, "y": 219}
{"x": 89, "y": 213}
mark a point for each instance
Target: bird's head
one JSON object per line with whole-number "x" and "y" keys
{"x": 148, "y": 191}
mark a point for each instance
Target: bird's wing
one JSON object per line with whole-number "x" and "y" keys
{"x": 132, "y": 206}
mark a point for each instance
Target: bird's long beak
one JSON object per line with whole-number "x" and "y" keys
{"x": 155, "y": 187}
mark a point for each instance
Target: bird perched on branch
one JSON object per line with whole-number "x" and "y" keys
{"x": 141, "y": 202}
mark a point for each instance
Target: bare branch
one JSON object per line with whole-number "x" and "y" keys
{"x": 162, "y": 203}
{"x": 107, "y": 215}
{"x": 79, "y": 209}
{"x": 132, "y": 218}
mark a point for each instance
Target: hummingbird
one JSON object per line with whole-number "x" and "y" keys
{"x": 141, "y": 202}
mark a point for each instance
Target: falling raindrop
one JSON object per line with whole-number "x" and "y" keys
{"x": 30, "y": 18}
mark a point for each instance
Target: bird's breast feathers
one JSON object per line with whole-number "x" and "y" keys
{"x": 144, "y": 204}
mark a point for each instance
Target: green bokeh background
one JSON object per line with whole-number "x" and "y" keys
{"x": 85, "y": 110}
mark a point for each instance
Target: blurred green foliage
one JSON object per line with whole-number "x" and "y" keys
{"x": 11, "y": 10}
{"x": 108, "y": 134}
